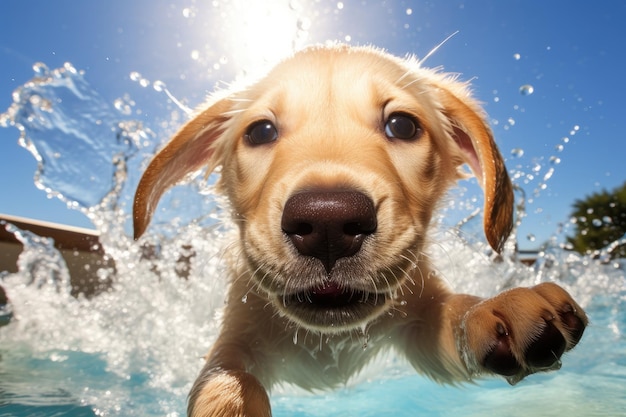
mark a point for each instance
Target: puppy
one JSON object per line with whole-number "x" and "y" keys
{"x": 333, "y": 164}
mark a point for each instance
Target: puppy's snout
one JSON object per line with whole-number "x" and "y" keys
{"x": 328, "y": 225}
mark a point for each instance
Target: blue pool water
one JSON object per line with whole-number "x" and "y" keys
{"x": 135, "y": 349}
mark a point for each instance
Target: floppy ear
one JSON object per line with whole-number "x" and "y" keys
{"x": 478, "y": 148}
{"x": 189, "y": 150}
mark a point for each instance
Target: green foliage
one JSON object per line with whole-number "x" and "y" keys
{"x": 600, "y": 220}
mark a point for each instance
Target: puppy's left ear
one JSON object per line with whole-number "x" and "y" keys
{"x": 478, "y": 149}
{"x": 191, "y": 148}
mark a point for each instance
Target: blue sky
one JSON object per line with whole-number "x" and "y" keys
{"x": 571, "y": 52}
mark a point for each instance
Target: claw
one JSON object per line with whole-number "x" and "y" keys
{"x": 574, "y": 324}
{"x": 514, "y": 379}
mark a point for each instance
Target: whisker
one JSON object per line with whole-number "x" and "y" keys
{"x": 387, "y": 283}
{"x": 233, "y": 112}
{"x": 423, "y": 280}
{"x": 411, "y": 83}
{"x": 372, "y": 279}
{"x": 241, "y": 99}
{"x": 408, "y": 276}
{"x": 436, "y": 48}
{"x": 406, "y": 74}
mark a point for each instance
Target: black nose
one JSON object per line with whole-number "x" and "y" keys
{"x": 328, "y": 225}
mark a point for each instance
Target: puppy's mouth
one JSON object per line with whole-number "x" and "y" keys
{"x": 330, "y": 307}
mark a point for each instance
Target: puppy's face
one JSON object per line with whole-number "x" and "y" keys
{"x": 334, "y": 163}
{"x": 339, "y": 162}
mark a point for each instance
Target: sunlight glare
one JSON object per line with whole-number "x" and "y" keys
{"x": 261, "y": 33}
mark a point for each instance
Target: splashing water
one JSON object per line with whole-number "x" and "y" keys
{"x": 56, "y": 134}
{"x": 136, "y": 347}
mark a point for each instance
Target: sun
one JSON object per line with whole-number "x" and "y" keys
{"x": 259, "y": 33}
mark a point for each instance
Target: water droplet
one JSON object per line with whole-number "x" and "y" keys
{"x": 607, "y": 219}
{"x": 531, "y": 237}
{"x": 517, "y": 152}
{"x": 517, "y": 57}
{"x": 511, "y": 121}
{"x": 41, "y": 69}
{"x": 555, "y": 160}
{"x": 295, "y": 5}
{"x": 123, "y": 105}
{"x": 69, "y": 67}
{"x": 188, "y": 12}
{"x": 559, "y": 148}
{"x": 409, "y": 12}
{"x": 244, "y": 300}
{"x": 195, "y": 54}
{"x": 304, "y": 24}
{"x": 144, "y": 82}
{"x": 565, "y": 139}
{"x": 526, "y": 90}
{"x": 135, "y": 76}
{"x": 40, "y": 103}
{"x": 596, "y": 222}
{"x": 366, "y": 336}
{"x": 295, "y": 337}
{"x": 159, "y": 86}
{"x": 340, "y": 5}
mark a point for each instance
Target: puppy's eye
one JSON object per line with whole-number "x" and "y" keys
{"x": 261, "y": 132}
{"x": 402, "y": 126}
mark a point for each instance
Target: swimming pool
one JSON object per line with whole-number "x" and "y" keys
{"x": 135, "y": 348}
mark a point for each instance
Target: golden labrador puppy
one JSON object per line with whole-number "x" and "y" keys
{"x": 333, "y": 164}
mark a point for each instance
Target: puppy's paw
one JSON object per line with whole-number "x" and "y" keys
{"x": 521, "y": 331}
{"x": 229, "y": 394}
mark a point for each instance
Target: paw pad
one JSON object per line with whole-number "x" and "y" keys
{"x": 544, "y": 352}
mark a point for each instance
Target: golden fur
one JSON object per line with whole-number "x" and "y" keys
{"x": 330, "y": 108}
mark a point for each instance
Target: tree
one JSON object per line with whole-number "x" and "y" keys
{"x": 600, "y": 219}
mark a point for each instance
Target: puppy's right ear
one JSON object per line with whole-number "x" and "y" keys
{"x": 478, "y": 148}
{"x": 189, "y": 150}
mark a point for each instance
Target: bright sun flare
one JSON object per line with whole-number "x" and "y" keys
{"x": 262, "y": 32}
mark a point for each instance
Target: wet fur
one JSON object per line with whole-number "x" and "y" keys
{"x": 330, "y": 105}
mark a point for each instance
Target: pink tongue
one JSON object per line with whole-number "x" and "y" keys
{"x": 328, "y": 289}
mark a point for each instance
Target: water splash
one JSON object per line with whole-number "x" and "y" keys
{"x": 85, "y": 152}
{"x": 43, "y": 266}
{"x": 136, "y": 348}
{"x": 60, "y": 116}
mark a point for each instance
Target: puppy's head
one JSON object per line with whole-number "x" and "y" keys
{"x": 334, "y": 163}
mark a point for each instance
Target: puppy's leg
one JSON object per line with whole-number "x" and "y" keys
{"x": 227, "y": 393}
{"x": 225, "y": 386}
